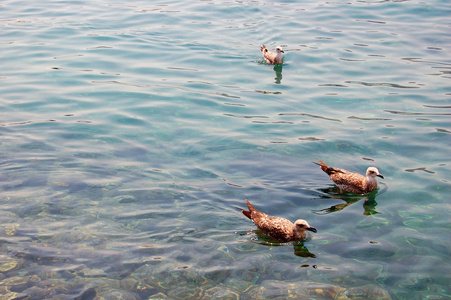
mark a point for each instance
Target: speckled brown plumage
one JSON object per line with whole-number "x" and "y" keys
{"x": 352, "y": 182}
{"x": 273, "y": 58}
{"x": 279, "y": 229}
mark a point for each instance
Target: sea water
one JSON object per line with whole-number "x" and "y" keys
{"x": 131, "y": 130}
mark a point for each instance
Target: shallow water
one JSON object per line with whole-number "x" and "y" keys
{"x": 129, "y": 132}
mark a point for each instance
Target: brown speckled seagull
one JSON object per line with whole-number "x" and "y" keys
{"x": 279, "y": 229}
{"x": 352, "y": 182}
{"x": 273, "y": 58}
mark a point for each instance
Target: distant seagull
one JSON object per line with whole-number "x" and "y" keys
{"x": 273, "y": 58}
{"x": 279, "y": 229}
{"x": 352, "y": 182}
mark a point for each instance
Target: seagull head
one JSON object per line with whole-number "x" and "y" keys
{"x": 373, "y": 172}
{"x": 302, "y": 225}
{"x": 279, "y": 49}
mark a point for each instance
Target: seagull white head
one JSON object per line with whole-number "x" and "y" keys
{"x": 372, "y": 172}
{"x": 302, "y": 225}
{"x": 279, "y": 49}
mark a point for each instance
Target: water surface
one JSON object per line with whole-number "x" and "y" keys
{"x": 129, "y": 132}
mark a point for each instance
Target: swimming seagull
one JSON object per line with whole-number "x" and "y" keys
{"x": 279, "y": 229}
{"x": 273, "y": 58}
{"x": 352, "y": 182}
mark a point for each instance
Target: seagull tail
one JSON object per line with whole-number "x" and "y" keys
{"x": 328, "y": 170}
{"x": 263, "y": 48}
{"x": 323, "y": 166}
{"x": 245, "y": 212}
{"x": 250, "y": 206}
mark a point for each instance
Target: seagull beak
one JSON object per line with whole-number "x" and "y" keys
{"x": 312, "y": 229}
{"x": 379, "y": 175}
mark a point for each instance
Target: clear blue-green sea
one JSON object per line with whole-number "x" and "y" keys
{"x": 131, "y": 130}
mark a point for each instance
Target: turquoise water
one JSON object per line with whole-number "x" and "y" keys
{"x": 130, "y": 131}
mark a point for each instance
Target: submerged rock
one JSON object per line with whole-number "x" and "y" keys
{"x": 368, "y": 292}
{"x": 158, "y": 296}
{"x": 7, "y": 263}
{"x": 17, "y": 280}
{"x": 274, "y": 289}
{"x": 119, "y": 294}
{"x": 185, "y": 292}
{"x": 13, "y": 296}
{"x": 220, "y": 292}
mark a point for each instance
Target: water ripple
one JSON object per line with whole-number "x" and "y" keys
{"x": 407, "y": 113}
{"x": 310, "y": 115}
{"x": 383, "y": 84}
{"x": 130, "y": 131}
{"x": 369, "y": 119}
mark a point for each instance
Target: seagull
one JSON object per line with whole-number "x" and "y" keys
{"x": 273, "y": 58}
{"x": 279, "y": 229}
{"x": 352, "y": 182}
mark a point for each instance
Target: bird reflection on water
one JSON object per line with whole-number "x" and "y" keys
{"x": 299, "y": 248}
{"x": 278, "y": 70}
{"x": 369, "y": 204}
